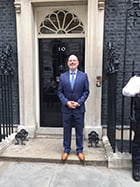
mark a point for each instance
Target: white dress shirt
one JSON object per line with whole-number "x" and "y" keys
{"x": 132, "y": 87}
{"x": 75, "y": 73}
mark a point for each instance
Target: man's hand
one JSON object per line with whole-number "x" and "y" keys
{"x": 72, "y": 104}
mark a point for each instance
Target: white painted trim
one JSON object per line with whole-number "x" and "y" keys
{"x": 27, "y": 42}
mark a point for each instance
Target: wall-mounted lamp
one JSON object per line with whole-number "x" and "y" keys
{"x": 98, "y": 81}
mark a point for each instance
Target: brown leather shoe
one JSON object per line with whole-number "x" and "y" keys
{"x": 81, "y": 156}
{"x": 64, "y": 156}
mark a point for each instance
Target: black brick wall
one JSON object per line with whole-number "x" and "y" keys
{"x": 126, "y": 41}
{"x": 8, "y": 36}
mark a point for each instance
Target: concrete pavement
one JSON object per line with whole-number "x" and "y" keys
{"x": 38, "y": 174}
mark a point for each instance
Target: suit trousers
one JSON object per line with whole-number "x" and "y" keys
{"x": 70, "y": 120}
{"x": 136, "y": 140}
{"x": 136, "y": 150}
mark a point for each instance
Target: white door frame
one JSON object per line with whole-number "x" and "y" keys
{"x": 27, "y": 44}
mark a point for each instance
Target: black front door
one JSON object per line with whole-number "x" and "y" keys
{"x": 53, "y": 55}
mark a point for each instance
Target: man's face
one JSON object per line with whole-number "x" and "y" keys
{"x": 73, "y": 62}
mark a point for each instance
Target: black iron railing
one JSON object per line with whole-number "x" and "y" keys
{"x": 6, "y": 78}
{"x": 120, "y": 107}
{"x": 112, "y": 79}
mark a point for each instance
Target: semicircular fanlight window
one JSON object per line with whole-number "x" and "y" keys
{"x": 61, "y": 22}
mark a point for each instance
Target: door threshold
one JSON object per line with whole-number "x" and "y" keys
{"x": 48, "y": 132}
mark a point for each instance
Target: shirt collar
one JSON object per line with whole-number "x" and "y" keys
{"x": 75, "y": 72}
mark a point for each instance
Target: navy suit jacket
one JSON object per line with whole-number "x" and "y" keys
{"x": 78, "y": 94}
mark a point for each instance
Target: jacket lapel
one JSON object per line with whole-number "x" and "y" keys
{"x": 68, "y": 79}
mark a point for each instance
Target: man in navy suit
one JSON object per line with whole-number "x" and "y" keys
{"x": 73, "y": 91}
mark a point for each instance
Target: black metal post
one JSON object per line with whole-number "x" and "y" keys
{"x": 112, "y": 80}
{"x": 111, "y": 130}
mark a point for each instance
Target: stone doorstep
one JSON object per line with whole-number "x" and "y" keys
{"x": 6, "y": 142}
{"x": 113, "y": 160}
{"x": 117, "y": 159}
{"x": 55, "y": 161}
{"x": 50, "y": 151}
